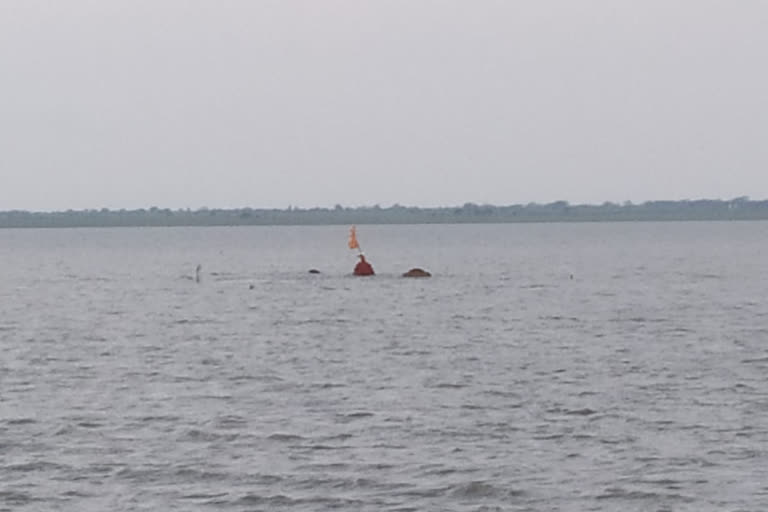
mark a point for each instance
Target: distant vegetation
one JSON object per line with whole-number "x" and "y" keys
{"x": 740, "y": 208}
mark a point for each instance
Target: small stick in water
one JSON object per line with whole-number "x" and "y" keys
{"x": 197, "y": 273}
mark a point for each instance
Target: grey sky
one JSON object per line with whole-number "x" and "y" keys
{"x": 224, "y": 103}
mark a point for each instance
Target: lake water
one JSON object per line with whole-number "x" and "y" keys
{"x": 562, "y": 367}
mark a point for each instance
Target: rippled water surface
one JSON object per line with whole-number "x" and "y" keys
{"x": 573, "y": 367}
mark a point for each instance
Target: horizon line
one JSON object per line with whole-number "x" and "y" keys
{"x": 336, "y": 206}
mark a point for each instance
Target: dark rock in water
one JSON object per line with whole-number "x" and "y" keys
{"x": 417, "y": 272}
{"x": 314, "y": 271}
{"x": 251, "y": 287}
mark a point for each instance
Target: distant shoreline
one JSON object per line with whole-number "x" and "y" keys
{"x": 469, "y": 213}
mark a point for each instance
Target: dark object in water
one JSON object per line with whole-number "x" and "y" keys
{"x": 363, "y": 268}
{"x": 314, "y": 271}
{"x": 251, "y": 286}
{"x": 417, "y": 272}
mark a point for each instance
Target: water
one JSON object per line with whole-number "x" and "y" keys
{"x": 568, "y": 367}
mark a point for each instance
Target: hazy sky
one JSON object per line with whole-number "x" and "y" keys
{"x": 227, "y": 103}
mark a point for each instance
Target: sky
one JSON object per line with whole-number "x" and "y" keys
{"x": 278, "y": 103}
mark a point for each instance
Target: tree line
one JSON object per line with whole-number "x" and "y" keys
{"x": 740, "y": 208}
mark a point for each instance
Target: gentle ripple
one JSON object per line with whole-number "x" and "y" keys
{"x": 544, "y": 367}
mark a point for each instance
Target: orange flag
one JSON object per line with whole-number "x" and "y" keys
{"x": 353, "y": 239}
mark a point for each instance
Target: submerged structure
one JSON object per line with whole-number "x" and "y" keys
{"x": 417, "y": 272}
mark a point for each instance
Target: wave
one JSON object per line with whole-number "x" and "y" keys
{"x": 480, "y": 489}
{"x": 286, "y": 437}
{"x": 620, "y": 493}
